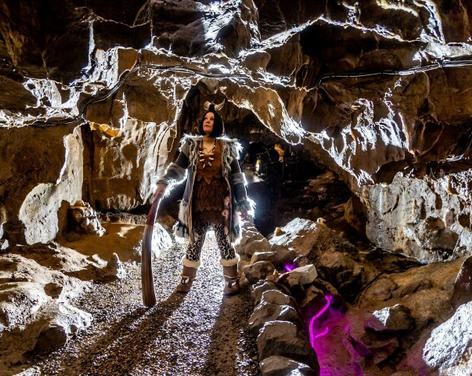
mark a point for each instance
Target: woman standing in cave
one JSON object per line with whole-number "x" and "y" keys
{"x": 214, "y": 196}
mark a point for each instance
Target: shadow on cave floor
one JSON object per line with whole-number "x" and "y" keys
{"x": 200, "y": 333}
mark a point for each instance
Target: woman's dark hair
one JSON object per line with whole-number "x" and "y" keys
{"x": 218, "y": 126}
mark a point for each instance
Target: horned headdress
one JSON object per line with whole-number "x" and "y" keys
{"x": 208, "y": 106}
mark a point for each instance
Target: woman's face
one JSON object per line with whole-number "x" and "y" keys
{"x": 208, "y": 122}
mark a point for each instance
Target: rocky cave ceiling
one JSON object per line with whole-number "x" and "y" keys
{"x": 378, "y": 91}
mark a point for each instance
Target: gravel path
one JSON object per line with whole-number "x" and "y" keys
{"x": 200, "y": 333}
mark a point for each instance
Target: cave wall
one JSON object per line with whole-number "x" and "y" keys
{"x": 40, "y": 169}
{"x": 376, "y": 90}
{"x": 428, "y": 218}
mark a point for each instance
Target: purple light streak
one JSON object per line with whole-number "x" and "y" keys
{"x": 322, "y": 333}
{"x": 289, "y": 266}
{"x": 328, "y": 329}
{"x": 312, "y": 325}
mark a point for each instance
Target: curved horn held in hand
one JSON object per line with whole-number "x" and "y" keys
{"x": 149, "y": 296}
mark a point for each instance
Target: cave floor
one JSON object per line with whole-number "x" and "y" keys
{"x": 200, "y": 333}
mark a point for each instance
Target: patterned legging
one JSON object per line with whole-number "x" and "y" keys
{"x": 200, "y": 230}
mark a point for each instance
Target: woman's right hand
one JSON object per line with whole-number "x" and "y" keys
{"x": 160, "y": 190}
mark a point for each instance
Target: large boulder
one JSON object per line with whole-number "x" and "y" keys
{"x": 59, "y": 322}
{"x": 33, "y": 209}
{"x": 448, "y": 349}
{"x": 343, "y": 271}
{"x": 425, "y": 291}
{"x": 277, "y": 297}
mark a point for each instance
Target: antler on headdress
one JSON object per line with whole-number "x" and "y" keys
{"x": 207, "y": 105}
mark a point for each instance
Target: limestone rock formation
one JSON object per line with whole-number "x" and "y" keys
{"x": 35, "y": 314}
{"x": 448, "y": 347}
{"x": 252, "y": 242}
{"x": 259, "y": 288}
{"x": 85, "y": 219}
{"x": 96, "y": 97}
{"x": 266, "y": 312}
{"x": 381, "y": 320}
{"x": 300, "y": 234}
{"x": 277, "y": 297}
{"x": 368, "y": 89}
{"x": 40, "y": 168}
{"x": 304, "y": 275}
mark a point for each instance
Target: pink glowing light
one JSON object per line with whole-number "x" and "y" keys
{"x": 329, "y": 331}
{"x": 312, "y": 325}
{"x": 289, "y": 266}
{"x": 322, "y": 333}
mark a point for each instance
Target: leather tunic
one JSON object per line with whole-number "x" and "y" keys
{"x": 211, "y": 197}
